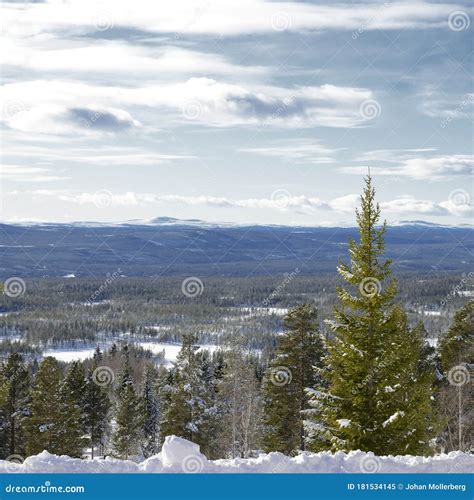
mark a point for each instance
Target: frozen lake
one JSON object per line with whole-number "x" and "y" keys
{"x": 171, "y": 351}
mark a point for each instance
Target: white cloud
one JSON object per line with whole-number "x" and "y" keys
{"x": 437, "y": 104}
{"x": 346, "y": 203}
{"x": 404, "y": 205}
{"x": 222, "y": 104}
{"x": 299, "y": 151}
{"x": 434, "y": 168}
{"x": 410, "y": 205}
{"x": 392, "y": 155}
{"x": 113, "y": 156}
{"x": 461, "y": 209}
{"x": 61, "y": 120}
{"x": 232, "y": 17}
{"x": 437, "y": 168}
{"x": 125, "y": 199}
{"x": 21, "y": 173}
{"x": 212, "y": 201}
{"x": 129, "y": 61}
{"x": 197, "y": 100}
{"x": 283, "y": 202}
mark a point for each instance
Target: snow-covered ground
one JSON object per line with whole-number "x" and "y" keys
{"x": 179, "y": 455}
{"x": 427, "y": 312}
{"x": 171, "y": 351}
{"x": 278, "y": 311}
{"x": 68, "y": 355}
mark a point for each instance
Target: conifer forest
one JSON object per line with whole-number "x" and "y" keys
{"x": 360, "y": 358}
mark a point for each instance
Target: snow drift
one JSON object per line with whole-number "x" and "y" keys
{"x": 179, "y": 455}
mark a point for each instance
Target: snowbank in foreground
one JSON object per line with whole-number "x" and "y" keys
{"x": 179, "y": 455}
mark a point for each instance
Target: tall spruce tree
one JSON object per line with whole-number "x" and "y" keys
{"x": 300, "y": 350}
{"x": 13, "y": 405}
{"x": 126, "y": 437}
{"x": 187, "y": 405}
{"x": 150, "y": 409}
{"x": 4, "y": 387}
{"x": 457, "y": 346}
{"x": 96, "y": 409}
{"x": 210, "y": 374}
{"x": 456, "y": 394}
{"x": 373, "y": 396}
{"x": 44, "y": 427}
{"x": 72, "y": 394}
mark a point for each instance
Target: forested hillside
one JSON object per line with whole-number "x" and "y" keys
{"x": 360, "y": 360}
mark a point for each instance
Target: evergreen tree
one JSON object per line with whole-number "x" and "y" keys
{"x": 14, "y": 383}
{"x": 126, "y": 436}
{"x": 4, "y": 389}
{"x": 150, "y": 409}
{"x": 72, "y": 394}
{"x": 113, "y": 350}
{"x": 240, "y": 394}
{"x": 211, "y": 420}
{"x": 455, "y": 399}
{"x": 299, "y": 351}
{"x": 457, "y": 346}
{"x": 44, "y": 427}
{"x": 98, "y": 356}
{"x": 373, "y": 395}
{"x": 96, "y": 410}
{"x": 186, "y": 397}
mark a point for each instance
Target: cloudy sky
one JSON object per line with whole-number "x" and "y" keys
{"x": 237, "y": 110}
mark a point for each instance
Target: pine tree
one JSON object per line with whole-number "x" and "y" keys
{"x": 13, "y": 405}
{"x": 299, "y": 351}
{"x": 373, "y": 396}
{"x": 240, "y": 394}
{"x": 72, "y": 394}
{"x": 186, "y": 396}
{"x": 211, "y": 420}
{"x": 96, "y": 410}
{"x": 98, "y": 356}
{"x": 455, "y": 399}
{"x": 457, "y": 346}
{"x": 4, "y": 389}
{"x": 44, "y": 427}
{"x": 126, "y": 437}
{"x": 113, "y": 350}
{"x": 150, "y": 409}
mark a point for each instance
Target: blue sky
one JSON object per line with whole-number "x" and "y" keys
{"x": 240, "y": 111}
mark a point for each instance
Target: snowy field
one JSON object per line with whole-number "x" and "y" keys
{"x": 179, "y": 455}
{"x": 171, "y": 351}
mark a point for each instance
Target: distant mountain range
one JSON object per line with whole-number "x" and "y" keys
{"x": 167, "y": 246}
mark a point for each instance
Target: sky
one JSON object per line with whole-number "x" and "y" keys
{"x": 245, "y": 111}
